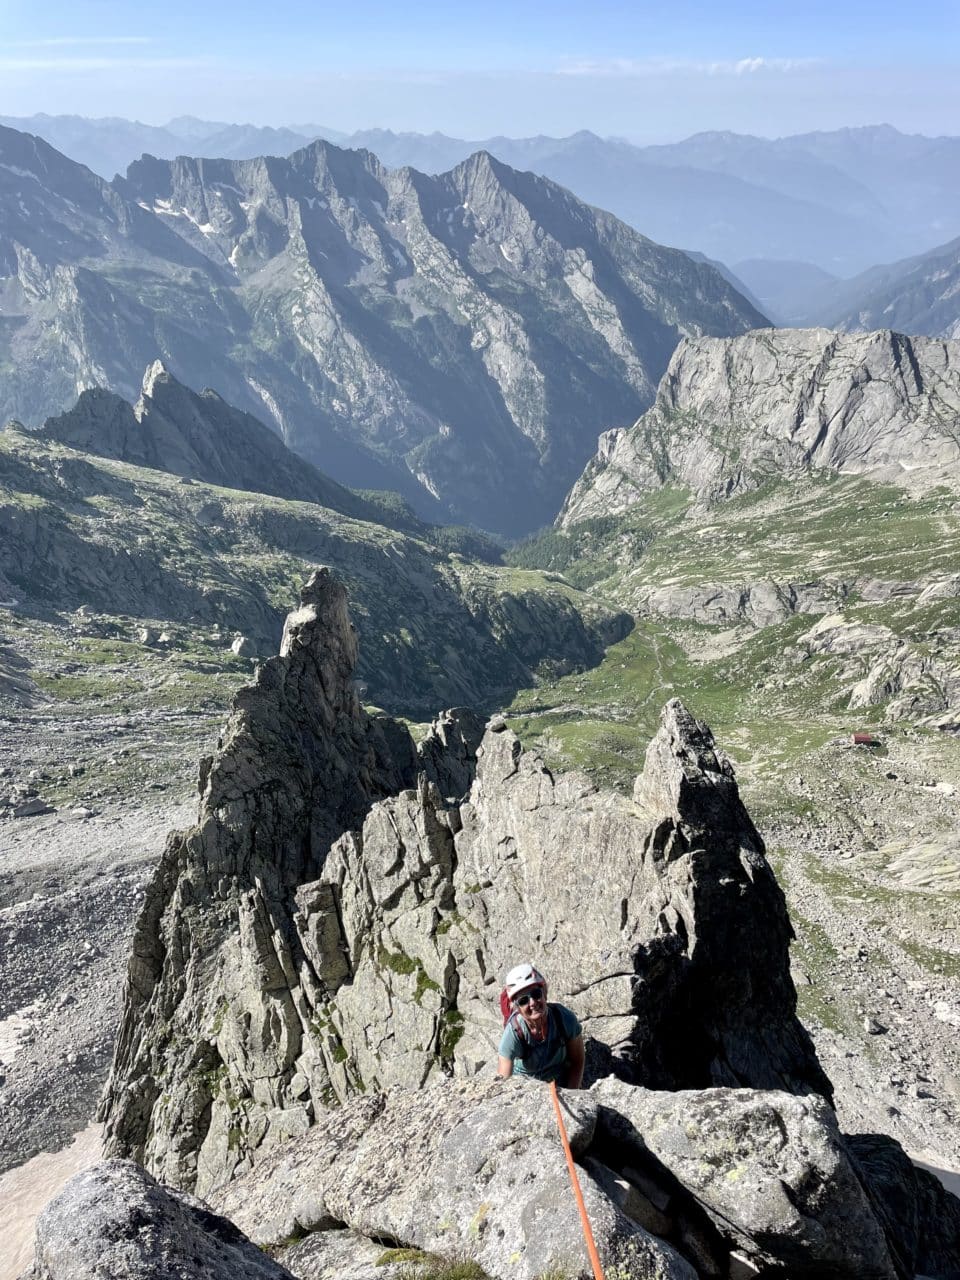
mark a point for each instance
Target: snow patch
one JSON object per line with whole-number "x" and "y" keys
{"x": 26, "y": 1189}
{"x": 268, "y": 400}
{"x": 20, "y": 173}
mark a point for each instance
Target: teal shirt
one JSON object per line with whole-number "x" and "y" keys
{"x": 546, "y": 1060}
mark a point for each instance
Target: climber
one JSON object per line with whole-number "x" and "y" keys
{"x": 539, "y": 1039}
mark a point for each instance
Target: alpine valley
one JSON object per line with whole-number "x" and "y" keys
{"x": 327, "y": 544}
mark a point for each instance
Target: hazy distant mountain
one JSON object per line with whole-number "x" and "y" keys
{"x": 428, "y": 152}
{"x": 920, "y": 295}
{"x": 197, "y": 130}
{"x": 108, "y": 145}
{"x": 781, "y": 164}
{"x": 722, "y": 215}
{"x": 916, "y": 179}
{"x": 784, "y": 291}
{"x": 790, "y": 206}
{"x": 461, "y": 338}
{"x": 245, "y": 141}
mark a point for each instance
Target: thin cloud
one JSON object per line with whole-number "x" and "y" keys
{"x": 102, "y": 64}
{"x": 62, "y": 42}
{"x": 640, "y": 67}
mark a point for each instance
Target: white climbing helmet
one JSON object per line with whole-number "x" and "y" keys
{"x": 522, "y": 976}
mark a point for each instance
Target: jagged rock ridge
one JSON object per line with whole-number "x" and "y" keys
{"x": 846, "y": 199}
{"x": 339, "y": 918}
{"x": 461, "y": 338}
{"x": 174, "y": 429}
{"x": 732, "y": 412}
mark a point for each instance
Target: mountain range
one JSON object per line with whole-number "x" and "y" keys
{"x": 109, "y": 144}
{"x": 842, "y": 201}
{"x": 461, "y": 339}
{"x": 772, "y": 547}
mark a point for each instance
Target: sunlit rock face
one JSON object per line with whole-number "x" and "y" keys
{"x": 731, "y": 413}
{"x": 339, "y": 918}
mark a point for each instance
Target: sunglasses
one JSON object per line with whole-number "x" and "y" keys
{"x": 535, "y": 993}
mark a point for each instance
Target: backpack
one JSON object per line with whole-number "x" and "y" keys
{"x": 513, "y": 1018}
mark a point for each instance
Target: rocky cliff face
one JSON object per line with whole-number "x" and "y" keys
{"x": 300, "y": 763}
{"x": 488, "y": 1170}
{"x": 731, "y": 413}
{"x": 339, "y": 918}
{"x": 462, "y": 337}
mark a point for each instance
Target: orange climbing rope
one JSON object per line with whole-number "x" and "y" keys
{"x": 575, "y": 1183}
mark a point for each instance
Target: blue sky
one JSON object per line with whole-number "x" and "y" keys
{"x": 648, "y": 71}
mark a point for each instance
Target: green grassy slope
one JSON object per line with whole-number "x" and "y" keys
{"x": 763, "y": 692}
{"x": 135, "y": 548}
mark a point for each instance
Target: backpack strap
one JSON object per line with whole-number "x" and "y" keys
{"x": 519, "y": 1028}
{"x": 555, "y": 1021}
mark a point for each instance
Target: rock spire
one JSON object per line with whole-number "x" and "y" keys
{"x": 339, "y": 918}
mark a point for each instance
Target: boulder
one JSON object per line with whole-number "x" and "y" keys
{"x": 921, "y": 1218}
{"x": 769, "y": 1169}
{"x": 700, "y": 1183}
{"x": 465, "y": 1167}
{"x": 116, "y": 1221}
{"x": 32, "y": 808}
{"x": 341, "y": 1254}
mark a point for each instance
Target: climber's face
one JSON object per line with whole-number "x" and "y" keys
{"x": 532, "y": 1004}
